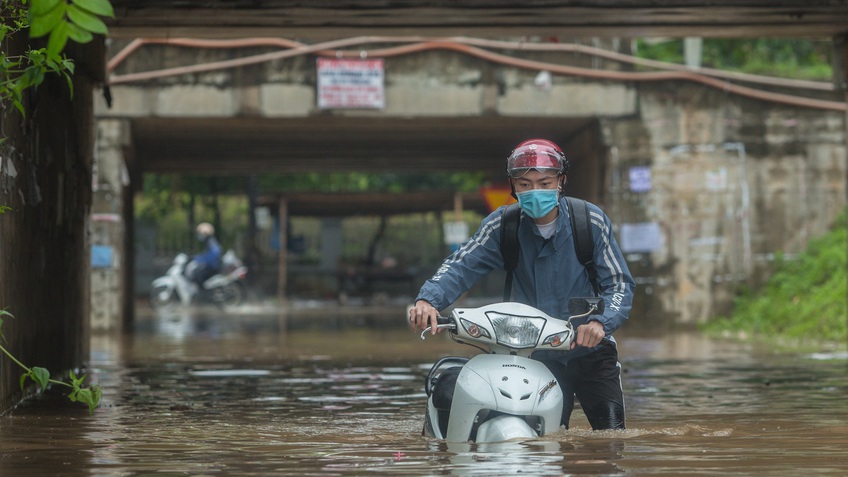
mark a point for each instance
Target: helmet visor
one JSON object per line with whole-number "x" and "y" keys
{"x": 544, "y": 159}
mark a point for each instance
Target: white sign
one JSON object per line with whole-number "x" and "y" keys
{"x": 350, "y": 83}
{"x": 455, "y": 232}
{"x": 641, "y": 237}
{"x": 640, "y": 179}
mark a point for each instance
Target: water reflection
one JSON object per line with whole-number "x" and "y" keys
{"x": 318, "y": 392}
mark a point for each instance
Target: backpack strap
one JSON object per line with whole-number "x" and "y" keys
{"x": 583, "y": 243}
{"x": 510, "y": 220}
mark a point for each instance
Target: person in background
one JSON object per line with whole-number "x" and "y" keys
{"x": 548, "y": 274}
{"x": 208, "y": 262}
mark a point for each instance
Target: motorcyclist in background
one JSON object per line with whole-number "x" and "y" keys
{"x": 208, "y": 262}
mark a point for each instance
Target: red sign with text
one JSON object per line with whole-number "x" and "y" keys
{"x": 346, "y": 83}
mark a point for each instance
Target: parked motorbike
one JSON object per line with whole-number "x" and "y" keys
{"x": 501, "y": 394}
{"x": 225, "y": 289}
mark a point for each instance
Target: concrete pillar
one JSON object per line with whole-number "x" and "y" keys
{"x": 44, "y": 257}
{"x": 107, "y": 225}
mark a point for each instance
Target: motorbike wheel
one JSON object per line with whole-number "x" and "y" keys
{"x": 231, "y": 294}
{"x": 163, "y": 298}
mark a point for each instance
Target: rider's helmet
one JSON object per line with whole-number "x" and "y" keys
{"x": 539, "y": 154}
{"x": 204, "y": 230}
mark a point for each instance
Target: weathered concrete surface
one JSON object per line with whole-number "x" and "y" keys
{"x": 732, "y": 181}
{"x": 45, "y": 177}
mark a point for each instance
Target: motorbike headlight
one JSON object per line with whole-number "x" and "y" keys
{"x": 516, "y": 331}
{"x": 474, "y": 330}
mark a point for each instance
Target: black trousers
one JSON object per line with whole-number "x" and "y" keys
{"x": 595, "y": 379}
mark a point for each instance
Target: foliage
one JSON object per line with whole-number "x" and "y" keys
{"x": 60, "y": 21}
{"x": 41, "y": 376}
{"x": 791, "y": 58}
{"x": 805, "y": 298}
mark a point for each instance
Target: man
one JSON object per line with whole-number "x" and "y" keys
{"x": 548, "y": 274}
{"x": 208, "y": 262}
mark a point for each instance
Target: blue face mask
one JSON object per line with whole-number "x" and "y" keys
{"x": 537, "y": 202}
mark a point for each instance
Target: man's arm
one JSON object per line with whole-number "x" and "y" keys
{"x": 459, "y": 272}
{"x": 616, "y": 284}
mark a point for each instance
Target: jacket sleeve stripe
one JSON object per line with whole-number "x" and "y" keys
{"x": 610, "y": 258}
{"x": 481, "y": 239}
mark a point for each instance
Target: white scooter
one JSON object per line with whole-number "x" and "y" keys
{"x": 224, "y": 289}
{"x": 502, "y": 394}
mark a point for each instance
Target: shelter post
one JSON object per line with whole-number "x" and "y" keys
{"x": 282, "y": 256}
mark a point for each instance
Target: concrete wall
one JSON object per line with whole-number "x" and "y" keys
{"x": 45, "y": 177}
{"x": 726, "y": 182}
{"x": 733, "y": 182}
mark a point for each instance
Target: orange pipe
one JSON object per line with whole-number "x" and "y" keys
{"x": 464, "y": 45}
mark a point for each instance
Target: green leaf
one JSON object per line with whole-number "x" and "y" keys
{"x": 23, "y": 379}
{"x": 97, "y": 7}
{"x": 78, "y": 34}
{"x": 40, "y": 7}
{"x": 40, "y": 376}
{"x": 19, "y": 106}
{"x": 33, "y": 75}
{"x": 86, "y": 21}
{"x": 58, "y": 40}
{"x": 90, "y": 396}
{"x": 41, "y": 25}
{"x": 76, "y": 382}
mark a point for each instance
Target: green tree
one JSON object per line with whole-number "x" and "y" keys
{"x": 57, "y": 20}
{"x": 791, "y": 58}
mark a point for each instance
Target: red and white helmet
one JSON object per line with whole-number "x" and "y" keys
{"x": 539, "y": 154}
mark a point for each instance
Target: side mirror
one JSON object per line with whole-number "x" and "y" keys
{"x": 583, "y": 305}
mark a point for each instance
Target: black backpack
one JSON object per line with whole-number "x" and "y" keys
{"x": 583, "y": 243}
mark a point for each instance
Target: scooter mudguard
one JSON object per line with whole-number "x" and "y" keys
{"x": 503, "y": 428}
{"x": 164, "y": 281}
{"x": 182, "y": 287}
{"x": 510, "y": 385}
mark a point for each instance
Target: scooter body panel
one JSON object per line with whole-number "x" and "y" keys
{"x": 511, "y": 385}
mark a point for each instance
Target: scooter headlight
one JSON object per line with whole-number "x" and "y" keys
{"x": 516, "y": 331}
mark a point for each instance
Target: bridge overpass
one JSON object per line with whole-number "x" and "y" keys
{"x": 716, "y": 148}
{"x": 47, "y": 235}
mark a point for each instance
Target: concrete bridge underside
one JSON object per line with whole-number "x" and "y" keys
{"x": 324, "y": 144}
{"x": 56, "y": 329}
{"x": 609, "y": 18}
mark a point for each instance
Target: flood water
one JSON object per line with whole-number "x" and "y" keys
{"x": 326, "y": 392}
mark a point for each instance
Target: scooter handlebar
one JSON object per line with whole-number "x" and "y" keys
{"x": 442, "y": 323}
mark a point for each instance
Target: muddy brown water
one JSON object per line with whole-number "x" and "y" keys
{"x": 311, "y": 392}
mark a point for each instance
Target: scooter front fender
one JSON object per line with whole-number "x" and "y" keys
{"x": 164, "y": 281}
{"x": 182, "y": 287}
{"x": 508, "y": 384}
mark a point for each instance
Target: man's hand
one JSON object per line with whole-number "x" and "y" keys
{"x": 589, "y": 335}
{"x": 423, "y": 315}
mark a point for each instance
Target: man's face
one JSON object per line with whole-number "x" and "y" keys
{"x": 534, "y": 179}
